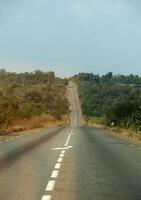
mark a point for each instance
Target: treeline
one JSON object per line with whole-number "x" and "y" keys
{"x": 116, "y": 99}
{"x": 25, "y": 95}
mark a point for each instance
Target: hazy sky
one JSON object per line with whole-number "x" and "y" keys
{"x": 71, "y": 36}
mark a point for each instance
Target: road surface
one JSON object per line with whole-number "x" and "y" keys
{"x": 75, "y": 163}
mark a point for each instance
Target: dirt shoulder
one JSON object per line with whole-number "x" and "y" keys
{"x": 26, "y": 125}
{"x": 128, "y": 135}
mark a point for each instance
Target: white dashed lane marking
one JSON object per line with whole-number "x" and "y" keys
{"x": 61, "y": 155}
{"x": 60, "y": 160}
{"x": 46, "y": 197}
{"x": 50, "y": 186}
{"x": 55, "y": 174}
{"x": 58, "y": 165}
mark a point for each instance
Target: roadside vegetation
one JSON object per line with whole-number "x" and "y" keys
{"x": 29, "y": 100}
{"x": 112, "y": 100}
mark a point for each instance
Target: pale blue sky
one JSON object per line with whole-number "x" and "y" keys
{"x": 71, "y": 36}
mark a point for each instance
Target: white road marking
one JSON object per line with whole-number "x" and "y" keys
{"x": 66, "y": 144}
{"x": 50, "y": 186}
{"x": 60, "y": 160}
{"x": 63, "y": 148}
{"x": 46, "y": 197}
{"x": 61, "y": 155}
{"x": 58, "y": 165}
{"x": 55, "y": 174}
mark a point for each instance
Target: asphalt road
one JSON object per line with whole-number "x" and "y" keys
{"x": 74, "y": 163}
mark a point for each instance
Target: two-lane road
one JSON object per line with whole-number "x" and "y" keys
{"x": 73, "y": 163}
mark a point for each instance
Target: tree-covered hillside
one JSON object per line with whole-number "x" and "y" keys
{"x": 116, "y": 99}
{"x": 28, "y": 95}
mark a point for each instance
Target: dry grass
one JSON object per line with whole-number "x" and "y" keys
{"x": 123, "y": 133}
{"x": 96, "y": 122}
{"x": 35, "y": 122}
{"x": 126, "y": 133}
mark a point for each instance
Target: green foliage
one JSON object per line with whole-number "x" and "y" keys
{"x": 8, "y": 109}
{"x": 114, "y": 98}
{"x": 26, "y": 95}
